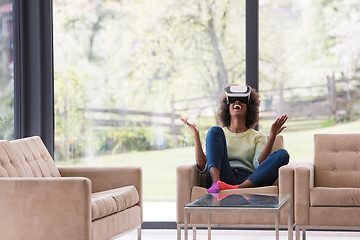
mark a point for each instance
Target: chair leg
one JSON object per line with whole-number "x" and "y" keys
{"x": 297, "y": 233}
{"x": 194, "y": 233}
{"x": 178, "y": 232}
{"x": 139, "y": 233}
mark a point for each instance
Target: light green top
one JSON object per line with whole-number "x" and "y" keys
{"x": 244, "y": 148}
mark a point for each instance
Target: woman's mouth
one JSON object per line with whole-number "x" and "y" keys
{"x": 237, "y": 106}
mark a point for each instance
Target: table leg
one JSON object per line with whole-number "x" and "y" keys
{"x": 209, "y": 226}
{"x": 290, "y": 227}
{"x": 194, "y": 233}
{"x": 277, "y": 225}
{"x": 186, "y": 215}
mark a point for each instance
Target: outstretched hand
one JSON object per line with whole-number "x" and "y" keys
{"x": 277, "y": 126}
{"x": 192, "y": 126}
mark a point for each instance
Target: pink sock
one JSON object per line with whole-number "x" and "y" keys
{"x": 225, "y": 186}
{"x": 214, "y": 188}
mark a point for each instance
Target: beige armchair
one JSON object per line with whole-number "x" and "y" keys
{"x": 327, "y": 192}
{"x": 193, "y": 186}
{"x": 40, "y": 201}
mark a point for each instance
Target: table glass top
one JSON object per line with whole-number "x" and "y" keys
{"x": 240, "y": 200}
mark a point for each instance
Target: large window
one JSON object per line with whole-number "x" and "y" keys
{"x": 310, "y": 69}
{"x": 6, "y": 71}
{"x": 125, "y": 71}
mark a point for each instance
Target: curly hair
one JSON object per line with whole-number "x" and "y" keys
{"x": 252, "y": 114}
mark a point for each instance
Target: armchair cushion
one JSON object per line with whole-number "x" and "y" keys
{"x": 32, "y": 152}
{"x": 102, "y": 205}
{"x": 9, "y": 164}
{"x": 26, "y": 157}
{"x": 334, "y": 216}
{"x": 113, "y": 201}
{"x": 336, "y": 160}
{"x": 339, "y": 197}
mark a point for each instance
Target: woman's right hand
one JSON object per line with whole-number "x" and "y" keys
{"x": 192, "y": 126}
{"x": 199, "y": 153}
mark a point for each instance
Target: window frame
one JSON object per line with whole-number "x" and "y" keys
{"x": 33, "y": 71}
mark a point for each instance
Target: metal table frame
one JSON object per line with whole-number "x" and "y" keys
{"x": 219, "y": 209}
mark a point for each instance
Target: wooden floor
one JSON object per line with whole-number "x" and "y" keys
{"x": 239, "y": 235}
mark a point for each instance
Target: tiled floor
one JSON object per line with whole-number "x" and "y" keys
{"x": 239, "y": 235}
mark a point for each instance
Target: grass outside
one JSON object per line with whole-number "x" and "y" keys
{"x": 300, "y": 144}
{"x": 159, "y": 167}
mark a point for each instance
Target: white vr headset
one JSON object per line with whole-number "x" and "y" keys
{"x": 237, "y": 93}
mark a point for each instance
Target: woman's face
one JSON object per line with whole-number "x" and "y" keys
{"x": 237, "y": 109}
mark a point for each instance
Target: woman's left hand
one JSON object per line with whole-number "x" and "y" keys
{"x": 277, "y": 126}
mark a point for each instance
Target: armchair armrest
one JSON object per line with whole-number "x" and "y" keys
{"x": 286, "y": 185}
{"x": 304, "y": 181}
{"x": 109, "y": 177}
{"x": 45, "y": 208}
{"x": 286, "y": 179}
{"x": 187, "y": 176}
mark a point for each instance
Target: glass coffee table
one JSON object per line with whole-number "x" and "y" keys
{"x": 240, "y": 203}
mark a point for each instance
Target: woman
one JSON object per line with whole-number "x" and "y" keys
{"x": 237, "y": 156}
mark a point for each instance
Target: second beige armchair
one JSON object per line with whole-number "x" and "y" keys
{"x": 327, "y": 192}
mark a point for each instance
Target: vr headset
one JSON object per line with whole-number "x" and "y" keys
{"x": 237, "y": 93}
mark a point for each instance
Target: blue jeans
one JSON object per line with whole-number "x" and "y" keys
{"x": 216, "y": 155}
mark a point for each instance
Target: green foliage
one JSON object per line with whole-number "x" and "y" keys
{"x": 7, "y": 111}
{"x": 7, "y": 127}
{"x": 139, "y": 60}
{"x": 69, "y": 149}
{"x": 328, "y": 123}
{"x": 302, "y": 42}
{"x": 70, "y": 119}
{"x": 119, "y": 140}
{"x": 162, "y": 45}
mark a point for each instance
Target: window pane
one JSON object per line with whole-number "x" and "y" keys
{"x": 125, "y": 71}
{"x": 310, "y": 69}
{"x": 6, "y": 71}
